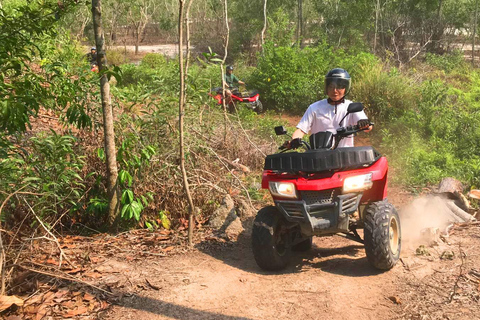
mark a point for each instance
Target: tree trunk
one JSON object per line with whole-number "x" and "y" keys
{"x": 223, "y": 73}
{"x": 300, "y": 23}
{"x": 264, "y": 22}
{"x": 474, "y": 33}
{"x": 181, "y": 113}
{"x": 113, "y": 191}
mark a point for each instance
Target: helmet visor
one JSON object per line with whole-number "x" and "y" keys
{"x": 337, "y": 83}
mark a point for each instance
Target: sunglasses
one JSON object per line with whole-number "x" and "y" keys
{"x": 337, "y": 86}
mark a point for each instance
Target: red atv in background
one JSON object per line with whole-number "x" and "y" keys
{"x": 324, "y": 191}
{"x": 251, "y": 98}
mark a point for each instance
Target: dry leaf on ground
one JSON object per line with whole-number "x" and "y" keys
{"x": 7, "y": 301}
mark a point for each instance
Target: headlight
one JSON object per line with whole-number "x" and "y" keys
{"x": 357, "y": 183}
{"x": 283, "y": 189}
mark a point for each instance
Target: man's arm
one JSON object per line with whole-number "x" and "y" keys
{"x": 298, "y": 134}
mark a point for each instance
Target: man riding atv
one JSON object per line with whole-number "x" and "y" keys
{"x": 325, "y": 115}
{"x": 330, "y": 188}
{"x": 231, "y": 82}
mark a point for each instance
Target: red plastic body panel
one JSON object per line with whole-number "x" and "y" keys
{"x": 318, "y": 182}
{"x": 218, "y": 97}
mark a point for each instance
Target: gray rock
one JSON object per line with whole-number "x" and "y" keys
{"x": 234, "y": 229}
{"x": 220, "y": 215}
{"x": 245, "y": 210}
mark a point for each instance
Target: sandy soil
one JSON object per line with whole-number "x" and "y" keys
{"x": 331, "y": 281}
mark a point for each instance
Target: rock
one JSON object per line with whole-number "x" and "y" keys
{"x": 245, "y": 210}
{"x": 447, "y": 255}
{"x": 234, "y": 229}
{"x": 220, "y": 215}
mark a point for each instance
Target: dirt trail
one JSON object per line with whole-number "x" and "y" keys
{"x": 332, "y": 281}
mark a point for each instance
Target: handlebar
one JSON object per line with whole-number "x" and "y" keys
{"x": 341, "y": 133}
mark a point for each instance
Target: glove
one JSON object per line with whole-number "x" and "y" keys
{"x": 363, "y": 123}
{"x": 295, "y": 143}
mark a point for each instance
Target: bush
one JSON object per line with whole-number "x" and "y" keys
{"x": 292, "y": 78}
{"x": 447, "y": 62}
{"x": 116, "y": 57}
{"x": 154, "y": 61}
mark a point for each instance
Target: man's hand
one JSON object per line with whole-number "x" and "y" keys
{"x": 363, "y": 123}
{"x": 292, "y": 144}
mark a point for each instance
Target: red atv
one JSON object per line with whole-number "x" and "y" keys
{"x": 324, "y": 191}
{"x": 250, "y": 97}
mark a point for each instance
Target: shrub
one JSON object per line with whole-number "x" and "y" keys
{"x": 116, "y": 57}
{"x": 447, "y": 62}
{"x": 154, "y": 61}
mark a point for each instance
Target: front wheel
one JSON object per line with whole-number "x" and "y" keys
{"x": 270, "y": 240}
{"x": 258, "y": 107}
{"x": 382, "y": 235}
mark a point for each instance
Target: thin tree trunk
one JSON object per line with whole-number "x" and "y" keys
{"x": 181, "y": 113}
{"x": 377, "y": 11}
{"x": 223, "y": 73}
{"x": 264, "y": 22}
{"x": 474, "y": 33}
{"x": 113, "y": 191}
{"x": 299, "y": 33}
{"x": 191, "y": 219}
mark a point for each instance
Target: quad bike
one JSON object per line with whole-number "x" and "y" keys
{"x": 324, "y": 191}
{"x": 251, "y": 98}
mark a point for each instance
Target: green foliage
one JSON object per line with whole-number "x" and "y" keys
{"x": 291, "y": 78}
{"x": 49, "y": 171}
{"x": 447, "y": 62}
{"x": 154, "y": 61}
{"x": 116, "y": 57}
{"x": 26, "y": 34}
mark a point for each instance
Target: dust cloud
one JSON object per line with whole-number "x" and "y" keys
{"x": 424, "y": 220}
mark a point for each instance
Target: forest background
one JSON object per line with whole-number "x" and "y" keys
{"x": 412, "y": 62}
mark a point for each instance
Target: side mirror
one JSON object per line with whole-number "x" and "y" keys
{"x": 280, "y": 130}
{"x": 355, "y": 107}
{"x": 352, "y": 108}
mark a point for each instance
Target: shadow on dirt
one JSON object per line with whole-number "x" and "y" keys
{"x": 333, "y": 255}
{"x": 171, "y": 310}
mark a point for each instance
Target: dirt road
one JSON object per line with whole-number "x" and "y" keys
{"x": 332, "y": 281}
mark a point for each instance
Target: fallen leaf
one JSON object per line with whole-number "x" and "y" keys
{"x": 93, "y": 274}
{"x": 34, "y": 299}
{"x": 48, "y": 297}
{"x": 168, "y": 249}
{"x": 52, "y": 261}
{"x": 76, "y": 312}
{"x": 104, "y": 305}
{"x": 88, "y": 297}
{"x": 73, "y": 271}
{"x": 41, "y": 312}
{"x": 7, "y": 301}
{"x": 395, "y": 300}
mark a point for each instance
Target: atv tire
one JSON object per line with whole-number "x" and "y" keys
{"x": 382, "y": 235}
{"x": 270, "y": 240}
{"x": 303, "y": 246}
{"x": 258, "y": 107}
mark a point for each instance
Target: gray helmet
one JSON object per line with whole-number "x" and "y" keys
{"x": 93, "y": 48}
{"x": 340, "y": 78}
{"x": 229, "y": 68}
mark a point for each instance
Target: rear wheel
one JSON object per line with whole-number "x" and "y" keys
{"x": 382, "y": 235}
{"x": 271, "y": 240}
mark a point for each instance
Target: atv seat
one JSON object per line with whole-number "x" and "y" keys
{"x": 321, "y": 160}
